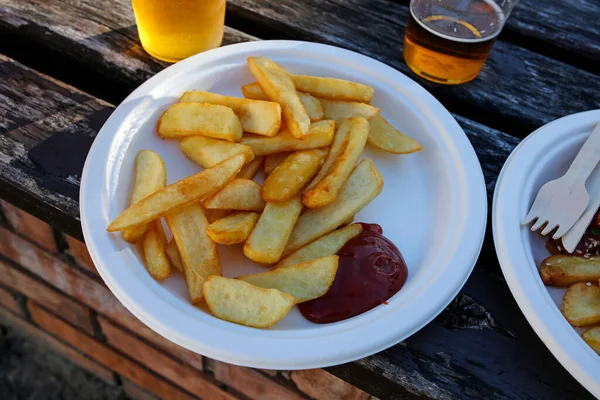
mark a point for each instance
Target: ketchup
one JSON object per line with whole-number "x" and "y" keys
{"x": 370, "y": 271}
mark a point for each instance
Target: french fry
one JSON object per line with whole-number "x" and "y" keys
{"x": 234, "y": 228}
{"x": 212, "y": 120}
{"x": 239, "y": 194}
{"x": 239, "y": 302}
{"x": 154, "y": 244}
{"x": 150, "y": 176}
{"x": 178, "y": 194}
{"x": 304, "y": 281}
{"x": 332, "y": 88}
{"x": 581, "y": 304}
{"x": 291, "y": 175}
{"x": 564, "y": 270}
{"x": 341, "y": 110}
{"x": 389, "y": 139}
{"x": 326, "y": 245}
{"x": 273, "y": 160}
{"x": 250, "y": 169}
{"x": 364, "y": 184}
{"x": 319, "y": 135}
{"x": 213, "y": 215}
{"x": 208, "y": 152}
{"x": 592, "y": 337}
{"x": 313, "y": 106}
{"x": 198, "y": 252}
{"x": 270, "y": 235}
{"x": 277, "y": 84}
{"x": 326, "y": 190}
{"x": 173, "y": 255}
{"x": 256, "y": 116}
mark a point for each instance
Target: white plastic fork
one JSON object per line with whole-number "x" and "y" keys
{"x": 561, "y": 202}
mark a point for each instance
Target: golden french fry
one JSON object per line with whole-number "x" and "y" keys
{"x": 273, "y": 160}
{"x": 389, "y": 139}
{"x": 319, "y": 135}
{"x": 198, "y": 252}
{"x": 341, "y": 110}
{"x": 313, "y": 106}
{"x": 326, "y": 190}
{"x": 564, "y": 270}
{"x": 150, "y": 176}
{"x": 250, "y": 169}
{"x": 178, "y": 194}
{"x": 213, "y": 215}
{"x": 267, "y": 241}
{"x": 348, "y": 221}
{"x": 239, "y": 194}
{"x": 260, "y": 117}
{"x": 212, "y": 120}
{"x": 291, "y": 175}
{"x": 154, "y": 245}
{"x": 364, "y": 184}
{"x": 304, "y": 281}
{"x": 326, "y": 245}
{"x": 173, "y": 255}
{"x": 277, "y": 84}
{"x": 208, "y": 152}
{"x": 581, "y": 304}
{"x": 332, "y": 88}
{"x": 237, "y": 301}
{"x": 592, "y": 337}
{"x": 234, "y": 228}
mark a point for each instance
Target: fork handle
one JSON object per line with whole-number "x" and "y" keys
{"x": 587, "y": 158}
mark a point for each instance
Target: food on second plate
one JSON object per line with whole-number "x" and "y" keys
{"x": 208, "y": 152}
{"x": 234, "y": 228}
{"x": 327, "y": 188}
{"x": 178, "y": 194}
{"x": 291, "y": 175}
{"x": 389, "y": 139}
{"x": 198, "y": 252}
{"x": 341, "y": 110}
{"x": 243, "y": 303}
{"x": 313, "y": 106}
{"x": 371, "y": 270}
{"x": 239, "y": 194}
{"x": 332, "y": 88}
{"x": 304, "y": 281}
{"x": 364, "y": 184}
{"x": 256, "y": 116}
{"x": 154, "y": 244}
{"x": 150, "y": 176}
{"x": 212, "y": 120}
{"x": 268, "y": 239}
{"x": 320, "y": 134}
{"x": 326, "y": 245}
{"x": 581, "y": 304}
{"x": 563, "y": 270}
{"x": 173, "y": 255}
{"x": 592, "y": 337}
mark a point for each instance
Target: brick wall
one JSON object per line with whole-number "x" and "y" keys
{"x": 50, "y": 288}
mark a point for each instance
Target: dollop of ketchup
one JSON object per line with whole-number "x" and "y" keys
{"x": 370, "y": 271}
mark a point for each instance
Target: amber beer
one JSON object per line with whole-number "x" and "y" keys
{"x": 448, "y": 41}
{"x": 172, "y": 30}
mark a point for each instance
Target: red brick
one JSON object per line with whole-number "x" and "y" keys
{"x": 29, "y": 226}
{"x": 8, "y": 301}
{"x": 77, "y": 358}
{"x": 68, "y": 309}
{"x": 176, "y": 372}
{"x": 80, "y": 253}
{"x": 136, "y": 392}
{"x": 105, "y": 355}
{"x": 252, "y": 383}
{"x": 321, "y": 385}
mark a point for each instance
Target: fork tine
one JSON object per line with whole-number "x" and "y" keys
{"x": 562, "y": 230}
{"x": 531, "y": 215}
{"x": 549, "y": 228}
{"x": 538, "y": 224}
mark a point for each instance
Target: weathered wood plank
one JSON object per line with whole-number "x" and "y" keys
{"x": 479, "y": 347}
{"x": 517, "y": 91}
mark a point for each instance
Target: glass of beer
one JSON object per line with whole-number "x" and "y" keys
{"x": 448, "y": 41}
{"x": 172, "y": 30}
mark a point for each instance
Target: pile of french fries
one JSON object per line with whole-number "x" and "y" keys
{"x": 309, "y": 133}
{"x": 581, "y": 302}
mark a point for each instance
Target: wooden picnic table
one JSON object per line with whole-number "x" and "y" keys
{"x": 64, "y": 65}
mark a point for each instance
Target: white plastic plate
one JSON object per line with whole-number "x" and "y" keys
{"x": 544, "y": 155}
{"x": 433, "y": 207}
